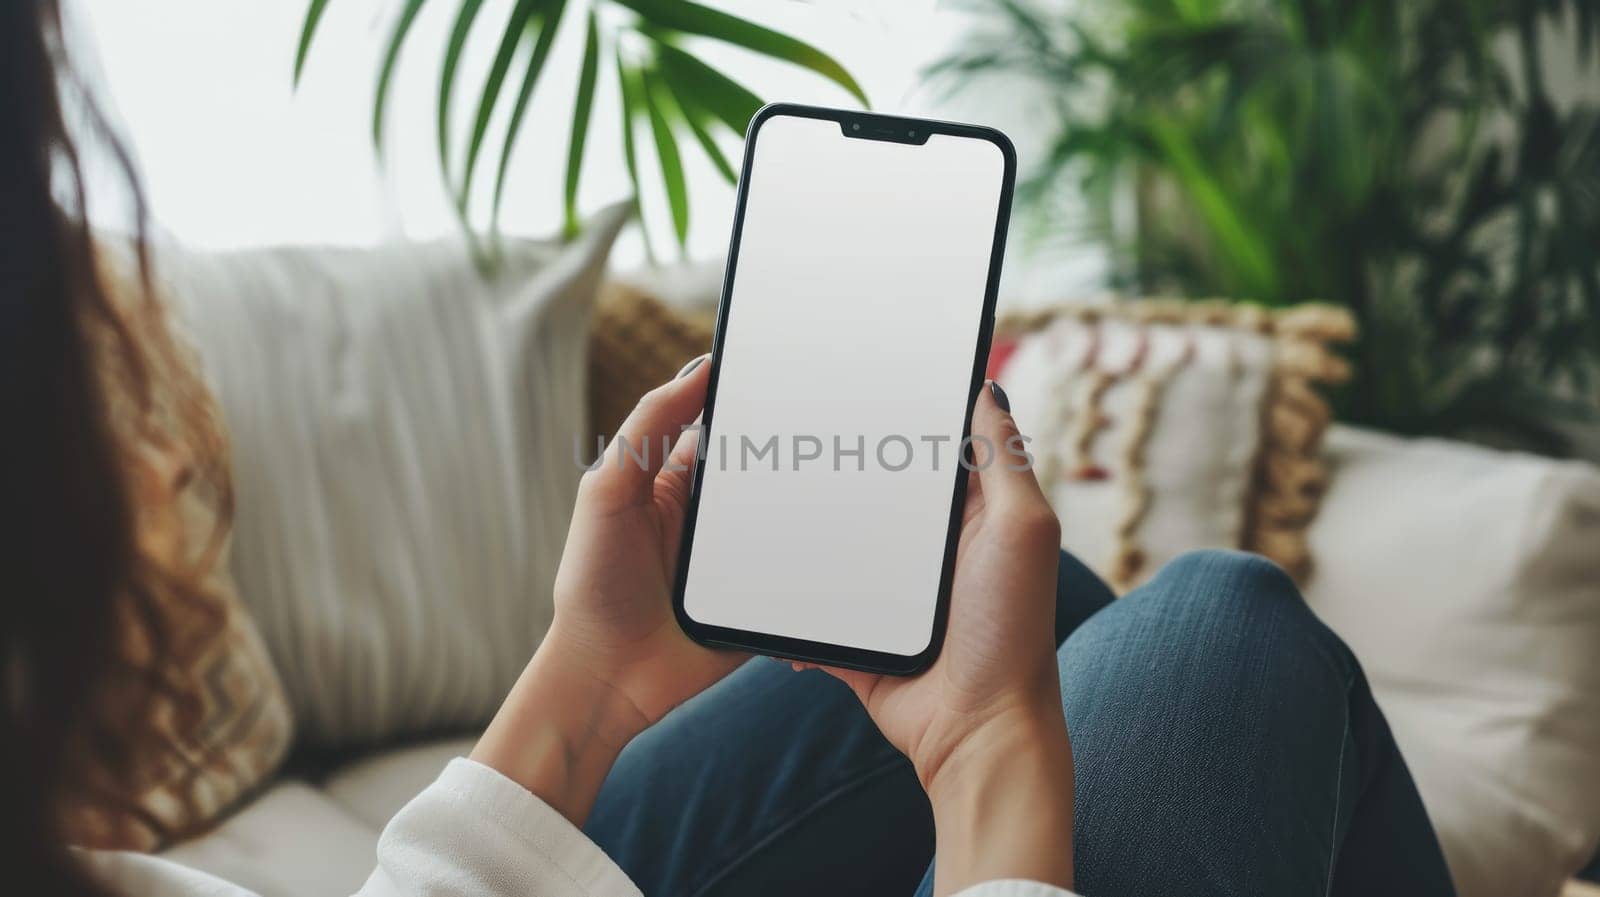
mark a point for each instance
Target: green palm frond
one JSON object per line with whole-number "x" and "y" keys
{"x": 670, "y": 91}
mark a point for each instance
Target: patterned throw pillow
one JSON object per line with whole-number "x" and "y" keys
{"x": 1161, "y": 426}
{"x": 195, "y": 717}
{"x": 1157, "y": 426}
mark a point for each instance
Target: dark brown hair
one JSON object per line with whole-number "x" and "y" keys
{"x": 71, "y": 565}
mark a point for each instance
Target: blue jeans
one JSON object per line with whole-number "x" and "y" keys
{"x": 1224, "y": 739}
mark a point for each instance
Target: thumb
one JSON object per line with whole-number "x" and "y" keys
{"x": 627, "y": 473}
{"x": 1004, "y": 467}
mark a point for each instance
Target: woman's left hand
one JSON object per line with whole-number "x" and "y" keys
{"x": 615, "y": 660}
{"x": 613, "y": 596}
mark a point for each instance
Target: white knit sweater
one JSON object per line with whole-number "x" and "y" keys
{"x": 472, "y": 832}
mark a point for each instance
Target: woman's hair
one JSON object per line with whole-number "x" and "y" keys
{"x": 74, "y": 575}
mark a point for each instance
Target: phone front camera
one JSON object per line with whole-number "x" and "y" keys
{"x": 856, "y": 126}
{"x": 911, "y": 134}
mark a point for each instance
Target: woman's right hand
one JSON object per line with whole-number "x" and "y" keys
{"x": 984, "y": 726}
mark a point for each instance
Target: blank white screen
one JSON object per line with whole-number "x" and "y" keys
{"x": 857, "y": 297}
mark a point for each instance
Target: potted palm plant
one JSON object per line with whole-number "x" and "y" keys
{"x": 1404, "y": 158}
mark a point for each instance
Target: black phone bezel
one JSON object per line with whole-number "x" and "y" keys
{"x": 872, "y": 127}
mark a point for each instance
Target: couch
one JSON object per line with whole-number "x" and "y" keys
{"x": 1398, "y": 545}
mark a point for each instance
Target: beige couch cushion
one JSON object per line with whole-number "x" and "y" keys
{"x": 300, "y": 839}
{"x": 1468, "y": 583}
{"x": 292, "y": 841}
{"x": 374, "y": 789}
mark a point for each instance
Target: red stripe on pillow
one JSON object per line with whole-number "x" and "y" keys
{"x": 1000, "y": 353}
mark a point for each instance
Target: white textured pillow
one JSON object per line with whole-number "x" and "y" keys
{"x": 1145, "y": 436}
{"x": 1468, "y": 583}
{"x": 403, "y": 438}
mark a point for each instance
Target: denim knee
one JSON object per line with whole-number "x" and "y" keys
{"x": 1200, "y": 590}
{"x": 1216, "y": 580}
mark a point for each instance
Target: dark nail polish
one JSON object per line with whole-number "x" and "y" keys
{"x": 689, "y": 367}
{"x": 999, "y": 396}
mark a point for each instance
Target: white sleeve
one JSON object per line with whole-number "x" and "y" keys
{"x": 476, "y": 833}
{"x": 1014, "y": 888}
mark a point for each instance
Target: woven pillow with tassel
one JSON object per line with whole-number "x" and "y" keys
{"x": 1159, "y": 427}
{"x": 636, "y": 342}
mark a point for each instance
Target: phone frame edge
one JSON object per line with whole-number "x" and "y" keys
{"x": 803, "y": 649}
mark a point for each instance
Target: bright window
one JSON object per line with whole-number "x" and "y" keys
{"x": 232, "y": 156}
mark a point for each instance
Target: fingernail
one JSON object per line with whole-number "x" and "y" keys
{"x": 690, "y": 367}
{"x": 999, "y": 396}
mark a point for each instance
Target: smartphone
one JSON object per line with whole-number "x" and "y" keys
{"x": 851, "y": 340}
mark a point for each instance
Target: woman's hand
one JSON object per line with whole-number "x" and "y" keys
{"x": 615, "y": 660}
{"x": 613, "y": 592}
{"x": 984, "y": 725}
